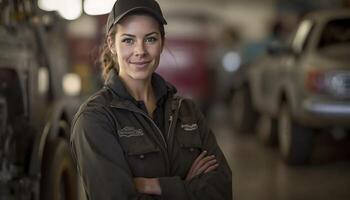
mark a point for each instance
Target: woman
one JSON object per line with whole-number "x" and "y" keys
{"x": 134, "y": 139}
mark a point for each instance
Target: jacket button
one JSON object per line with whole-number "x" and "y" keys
{"x": 142, "y": 156}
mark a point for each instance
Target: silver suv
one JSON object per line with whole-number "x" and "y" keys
{"x": 305, "y": 86}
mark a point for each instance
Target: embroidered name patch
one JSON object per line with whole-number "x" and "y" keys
{"x": 189, "y": 127}
{"x": 130, "y": 132}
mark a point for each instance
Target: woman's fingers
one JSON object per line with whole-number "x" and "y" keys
{"x": 205, "y": 166}
{"x": 211, "y": 168}
{"x": 203, "y": 161}
{"x": 202, "y": 164}
{"x": 191, "y": 172}
{"x": 197, "y": 160}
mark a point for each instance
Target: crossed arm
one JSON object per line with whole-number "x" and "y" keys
{"x": 203, "y": 164}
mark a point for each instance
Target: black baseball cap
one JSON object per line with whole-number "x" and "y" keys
{"x": 123, "y": 7}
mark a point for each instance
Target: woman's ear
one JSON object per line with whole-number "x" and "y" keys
{"x": 111, "y": 44}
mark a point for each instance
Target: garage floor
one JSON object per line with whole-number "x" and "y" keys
{"x": 259, "y": 173}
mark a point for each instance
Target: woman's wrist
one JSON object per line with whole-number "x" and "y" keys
{"x": 148, "y": 185}
{"x": 154, "y": 186}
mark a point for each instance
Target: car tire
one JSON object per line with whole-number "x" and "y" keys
{"x": 243, "y": 116}
{"x": 295, "y": 140}
{"x": 267, "y": 130}
{"x": 59, "y": 178}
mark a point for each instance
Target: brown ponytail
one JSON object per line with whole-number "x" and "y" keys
{"x": 107, "y": 58}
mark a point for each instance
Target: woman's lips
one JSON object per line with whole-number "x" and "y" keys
{"x": 140, "y": 64}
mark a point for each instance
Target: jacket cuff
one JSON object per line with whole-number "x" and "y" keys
{"x": 172, "y": 188}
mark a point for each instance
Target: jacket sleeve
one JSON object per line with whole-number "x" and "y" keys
{"x": 215, "y": 185}
{"x": 100, "y": 159}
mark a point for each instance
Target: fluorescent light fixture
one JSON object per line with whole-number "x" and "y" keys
{"x": 98, "y": 7}
{"x": 68, "y": 9}
{"x": 48, "y": 5}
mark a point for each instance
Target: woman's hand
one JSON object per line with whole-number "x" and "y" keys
{"x": 147, "y": 185}
{"x": 202, "y": 164}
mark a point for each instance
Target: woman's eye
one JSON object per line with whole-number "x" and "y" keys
{"x": 151, "y": 39}
{"x": 128, "y": 41}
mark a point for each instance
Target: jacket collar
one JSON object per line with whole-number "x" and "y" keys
{"x": 161, "y": 87}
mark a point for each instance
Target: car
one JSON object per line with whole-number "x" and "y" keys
{"x": 36, "y": 106}
{"x": 303, "y": 87}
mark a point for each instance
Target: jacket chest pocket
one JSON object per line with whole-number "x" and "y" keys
{"x": 144, "y": 157}
{"x": 189, "y": 140}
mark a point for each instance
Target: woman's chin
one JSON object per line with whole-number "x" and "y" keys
{"x": 141, "y": 75}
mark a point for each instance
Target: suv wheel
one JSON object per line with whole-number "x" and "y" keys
{"x": 59, "y": 180}
{"x": 242, "y": 112}
{"x": 295, "y": 140}
{"x": 267, "y": 130}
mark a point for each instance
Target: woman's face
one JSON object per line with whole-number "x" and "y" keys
{"x": 137, "y": 45}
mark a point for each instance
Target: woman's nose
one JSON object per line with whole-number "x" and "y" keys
{"x": 140, "y": 49}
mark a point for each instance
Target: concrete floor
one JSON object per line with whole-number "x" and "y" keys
{"x": 259, "y": 173}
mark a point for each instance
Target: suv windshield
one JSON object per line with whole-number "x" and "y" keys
{"x": 335, "y": 32}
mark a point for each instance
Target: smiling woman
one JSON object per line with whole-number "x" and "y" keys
{"x": 136, "y": 139}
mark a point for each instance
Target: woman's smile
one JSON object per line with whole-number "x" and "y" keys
{"x": 140, "y": 64}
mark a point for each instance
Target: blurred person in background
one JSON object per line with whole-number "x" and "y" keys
{"x": 135, "y": 138}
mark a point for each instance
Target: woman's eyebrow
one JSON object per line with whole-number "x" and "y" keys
{"x": 152, "y": 33}
{"x": 131, "y": 35}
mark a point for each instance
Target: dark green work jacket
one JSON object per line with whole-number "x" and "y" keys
{"x": 113, "y": 141}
